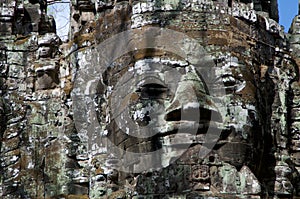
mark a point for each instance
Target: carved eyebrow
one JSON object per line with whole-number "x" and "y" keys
{"x": 153, "y": 91}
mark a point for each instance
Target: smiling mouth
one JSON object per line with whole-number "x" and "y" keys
{"x": 194, "y": 122}
{"x": 173, "y": 135}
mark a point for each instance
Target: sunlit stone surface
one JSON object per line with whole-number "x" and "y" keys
{"x": 212, "y": 112}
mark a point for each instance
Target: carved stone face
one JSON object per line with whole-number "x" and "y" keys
{"x": 47, "y": 77}
{"x": 161, "y": 95}
{"x": 45, "y": 51}
{"x": 164, "y": 105}
{"x": 159, "y": 105}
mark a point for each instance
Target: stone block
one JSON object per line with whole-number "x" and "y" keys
{"x": 5, "y": 28}
{"x": 48, "y": 45}
{"x": 234, "y": 153}
{"x": 16, "y": 71}
{"x": 6, "y": 13}
{"x": 295, "y": 145}
{"x": 87, "y": 16}
{"x": 33, "y": 15}
{"x": 3, "y": 69}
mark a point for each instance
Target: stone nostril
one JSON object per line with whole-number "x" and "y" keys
{"x": 205, "y": 114}
{"x": 174, "y": 115}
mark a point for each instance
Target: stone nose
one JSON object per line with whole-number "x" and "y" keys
{"x": 190, "y": 103}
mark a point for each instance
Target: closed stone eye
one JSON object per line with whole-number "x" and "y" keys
{"x": 153, "y": 91}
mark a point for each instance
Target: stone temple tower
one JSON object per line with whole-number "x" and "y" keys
{"x": 149, "y": 99}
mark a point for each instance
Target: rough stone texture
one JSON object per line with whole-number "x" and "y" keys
{"x": 45, "y": 153}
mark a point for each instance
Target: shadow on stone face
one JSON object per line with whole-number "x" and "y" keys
{"x": 22, "y": 22}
